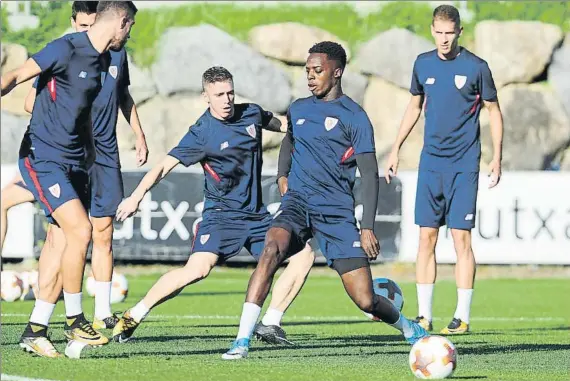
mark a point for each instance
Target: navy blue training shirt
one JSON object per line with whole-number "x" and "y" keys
{"x": 115, "y": 80}
{"x": 326, "y": 137}
{"x": 106, "y": 108}
{"x": 230, "y": 152}
{"x": 66, "y": 89}
{"x": 454, "y": 91}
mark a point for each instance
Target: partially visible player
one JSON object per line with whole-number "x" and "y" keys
{"x": 453, "y": 85}
{"x": 329, "y": 136}
{"x": 105, "y": 175}
{"x": 53, "y": 157}
{"x": 15, "y": 192}
{"x": 226, "y": 140}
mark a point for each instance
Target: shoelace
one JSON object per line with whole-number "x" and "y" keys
{"x": 85, "y": 326}
{"x": 45, "y": 345}
{"x": 130, "y": 322}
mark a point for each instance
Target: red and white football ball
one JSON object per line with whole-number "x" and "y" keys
{"x": 11, "y": 286}
{"x": 389, "y": 289}
{"x": 433, "y": 358}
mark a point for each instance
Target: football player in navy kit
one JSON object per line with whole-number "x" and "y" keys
{"x": 453, "y": 85}
{"x": 226, "y": 141}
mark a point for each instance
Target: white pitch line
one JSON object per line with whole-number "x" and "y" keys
{"x": 9, "y": 377}
{"x": 330, "y": 318}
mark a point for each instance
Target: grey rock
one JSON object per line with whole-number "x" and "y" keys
{"x": 391, "y": 55}
{"x": 516, "y": 51}
{"x": 186, "y": 52}
{"x": 142, "y": 86}
{"x": 559, "y": 75}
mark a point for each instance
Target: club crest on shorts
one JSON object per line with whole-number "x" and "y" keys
{"x": 460, "y": 81}
{"x": 204, "y": 238}
{"x": 330, "y": 123}
{"x": 113, "y": 71}
{"x": 55, "y": 190}
{"x": 251, "y": 130}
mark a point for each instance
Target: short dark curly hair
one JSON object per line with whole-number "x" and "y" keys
{"x": 333, "y": 51}
{"x": 216, "y": 74}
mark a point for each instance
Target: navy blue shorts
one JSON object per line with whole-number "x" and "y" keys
{"x": 53, "y": 184}
{"x": 225, "y": 234}
{"x": 336, "y": 231}
{"x": 447, "y": 199}
{"x": 106, "y": 190}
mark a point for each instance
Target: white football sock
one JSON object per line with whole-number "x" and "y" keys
{"x": 463, "y": 310}
{"x": 249, "y": 316}
{"x": 102, "y": 300}
{"x": 272, "y": 317}
{"x": 425, "y": 298}
{"x": 72, "y": 304}
{"x": 139, "y": 311}
{"x": 404, "y": 326}
{"x": 42, "y": 312}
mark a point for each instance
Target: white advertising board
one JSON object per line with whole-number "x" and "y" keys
{"x": 524, "y": 220}
{"x": 20, "y": 235}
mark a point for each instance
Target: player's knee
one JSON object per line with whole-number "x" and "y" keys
{"x": 103, "y": 239}
{"x": 271, "y": 255}
{"x": 81, "y": 233}
{"x": 428, "y": 239}
{"x": 303, "y": 259}
{"x": 462, "y": 242}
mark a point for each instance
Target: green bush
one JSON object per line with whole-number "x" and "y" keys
{"x": 337, "y": 18}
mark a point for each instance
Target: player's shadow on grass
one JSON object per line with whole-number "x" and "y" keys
{"x": 165, "y": 339}
{"x": 495, "y": 349}
{"x": 290, "y": 323}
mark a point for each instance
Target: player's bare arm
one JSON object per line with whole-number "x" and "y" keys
{"x": 411, "y": 116}
{"x": 496, "y": 123}
{"x": 129, "y": 110}
{"x": 30, "y": 100}
{"x": 24, "y": 73}
{"x": 130, "y": 205}
{"x": 368, "y": 167}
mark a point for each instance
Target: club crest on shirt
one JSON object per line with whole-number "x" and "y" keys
{"x": 113, "y": 71}
{"x": 55, "y": 190}
{"x": 204, "y": 238}
{"x": 251, "y": 130}
{"x": 330, "y": 123}
{"x": 460, "y": 81}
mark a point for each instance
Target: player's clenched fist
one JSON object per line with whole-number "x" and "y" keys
{"x": 369, "y": 243}
{"x": 127, "y": 208}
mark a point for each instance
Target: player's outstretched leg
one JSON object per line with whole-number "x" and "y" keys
{"x": 169, "y": 285}
{"x": 357, "y": 281}
{"x": 35, "y": 339}
{"x": 426, "y": 272}
{"x": 72, "y": 218}
{"x": 286, "y": 289}
{"x": 465, "y": 278}
{"x": 274, "y": 253}
{"x": 12, "y": 195}
{"x": 102, "y": 266}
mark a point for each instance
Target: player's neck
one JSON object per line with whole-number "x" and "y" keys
{"x": 100, "y": 36}
{"x": 335, "y": 93}
{"x": 453, "y": 53}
